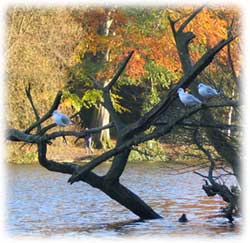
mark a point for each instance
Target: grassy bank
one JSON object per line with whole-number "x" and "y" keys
{"x": 183, "y": 155}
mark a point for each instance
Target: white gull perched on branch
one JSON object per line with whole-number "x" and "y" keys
{"x": 188, "y": 99}
{"x": 207, "y": 91}
{"x": 60, "y": 119}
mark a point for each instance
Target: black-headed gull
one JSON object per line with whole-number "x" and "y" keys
{"x": 207, "y": 91}
{"x": 60, "y": 119}
{"x": 188, "y": 99}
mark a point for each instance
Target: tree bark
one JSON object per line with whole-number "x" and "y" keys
{"x": 114, "y": 189}
{"x": 127, "y": 136}
{"x": 215, "y": 136}
{"x": 101, "y": 118}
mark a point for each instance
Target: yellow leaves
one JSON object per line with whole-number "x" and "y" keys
{"x": 78, "y": 52}
{"x": 71, "y": 100}
{"x": 116, "y": 103}
{"x": 36, "y": 36}
{"x": 92, "y": 98}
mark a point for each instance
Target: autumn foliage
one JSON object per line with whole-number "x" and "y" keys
{"x": 55, "y": 48}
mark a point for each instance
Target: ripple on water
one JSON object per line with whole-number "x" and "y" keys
{"x": 42, "y": 203}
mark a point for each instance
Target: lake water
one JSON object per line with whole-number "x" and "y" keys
{"x": 41, "y": 203}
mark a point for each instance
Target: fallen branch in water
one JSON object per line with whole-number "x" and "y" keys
{"x": 214, "y": 187}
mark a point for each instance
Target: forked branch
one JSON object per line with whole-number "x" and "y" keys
{"x": 189, "y": 19}
{"x": 135, "y": 140}
{"x": 48, "y": 114}
{"x": 214, "y": 187}
{"x": 151, "y": 116}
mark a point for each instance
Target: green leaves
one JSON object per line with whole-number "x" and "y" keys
{"x": 116, "y": 103}
{"x": 89, "y": 99}
{"x": 158, "y": 74}
{"x": 146, "y": 20}
{"x": 159, "y": 79}
{"x": 92, "y": 98}
{"x": 72, "y": 100}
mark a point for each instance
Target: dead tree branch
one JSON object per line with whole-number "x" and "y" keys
{"x": 135, "y": 140}
{"x": 119, "y": 72}
{"x": 201, "y": 124}
{"x": 115, "y": 191}
{"x": 19, "y": 136}
{"x": 190, "y": 18}
{"x": 230, "y": 60}
{"x": 28, "y": 94}
{"x": 151, "y": 116}
{"x": 48, "y": 114}
{"x": 215, "y": 187}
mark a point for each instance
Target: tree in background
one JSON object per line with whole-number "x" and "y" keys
{"x": 39, "y": 44}
{"x": 66, "y": 46}
{"x": 155, "y": 64}
{"x": 146, "y": 127}
{"x": 108, "y": 34}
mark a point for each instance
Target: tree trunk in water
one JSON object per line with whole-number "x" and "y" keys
{"x": 113, "y": 189}
{"x": 131, "y": 201}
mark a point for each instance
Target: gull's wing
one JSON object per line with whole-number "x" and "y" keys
{"x": 65, "y": 119}
{"x": 193, "y": 99}
{"x": 211, "y": 90}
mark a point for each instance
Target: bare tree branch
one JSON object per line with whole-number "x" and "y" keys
{"x": 28, "y": 94}
{"x": 215, "y": 187}
{"x": 19, "y": 136}
{"x": 119, "y": 72}
{"x": 209, "y": 156}
{"x": 184, "y": 82}
{"x": 200, "y": 174}
{"x": 230, "y": 61}
{"x": 197, "y": 124}
{"x": 78, "y": 134}
{"x": 189, "y": 19}
{"x": 172, "y": 23}
{"x": 115, "y": 191}
{"x": 48, "y": 114}
{"x": 135, "y": 140}
{"x": 16, "y": 135}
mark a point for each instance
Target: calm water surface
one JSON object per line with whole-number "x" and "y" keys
{"x": 41, "y": 203}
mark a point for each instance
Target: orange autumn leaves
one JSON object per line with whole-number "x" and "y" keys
{"x": 153, "y": 42}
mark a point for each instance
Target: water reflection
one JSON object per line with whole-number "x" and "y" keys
{"x": 42, "y": 203}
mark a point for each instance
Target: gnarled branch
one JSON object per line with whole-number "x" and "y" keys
{"x": 152, "y": 115}
{"x": 135, "y": 140}
{"x": 18, "y": 136}
{"x": 215, "y": 187}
